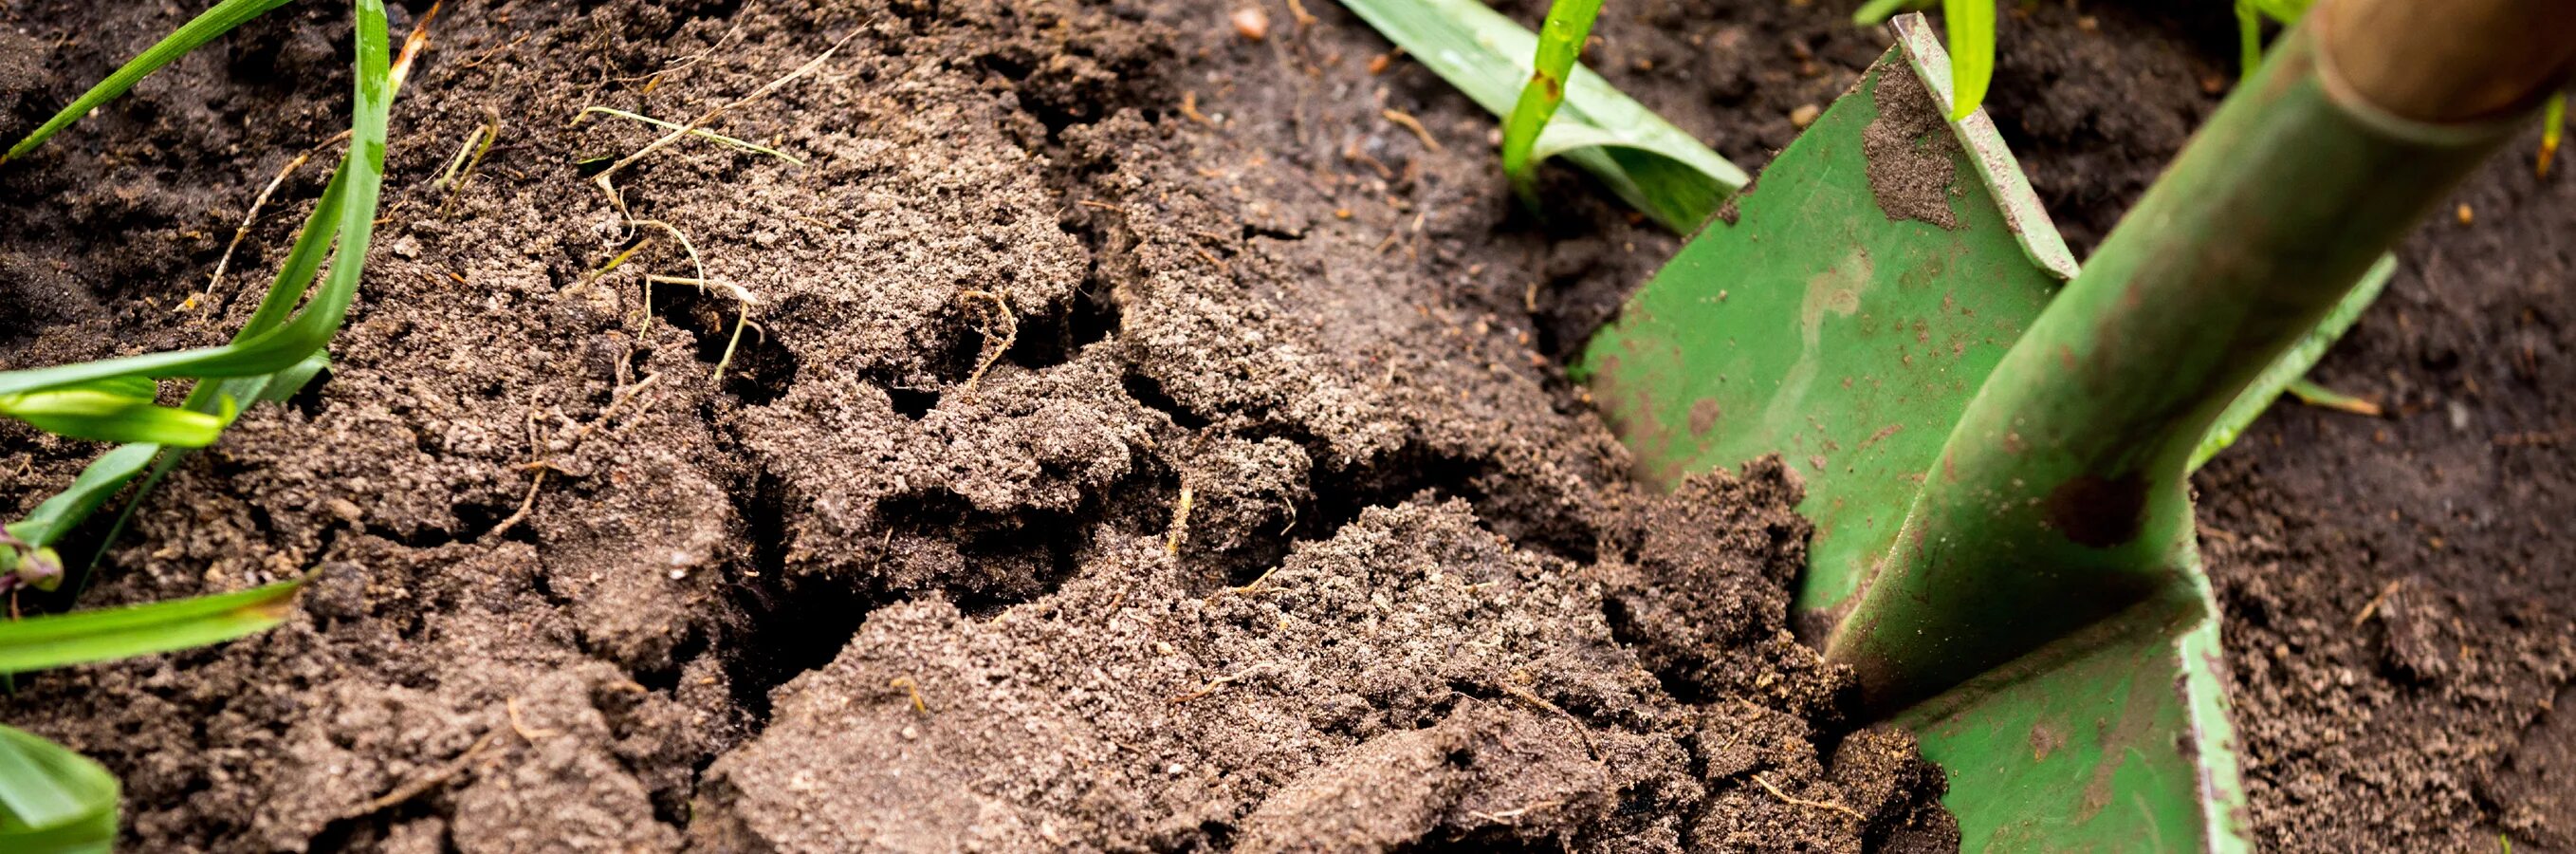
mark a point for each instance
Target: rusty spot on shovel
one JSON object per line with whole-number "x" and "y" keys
{"x": 2096, "y": 511}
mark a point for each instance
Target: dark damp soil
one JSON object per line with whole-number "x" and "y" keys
{"x": 1144, "y": 444}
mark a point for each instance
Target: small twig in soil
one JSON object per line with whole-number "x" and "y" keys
{"x": 742, "y": 314}
{"x": 1297, "y": 10}
{"x": 1820, "y": 805}
{"x": 2372, "y": 607}
{"x": 1513, "y": 815}
{"x": 702, "y": 133}
{"x": 544, "y": 466}
{"x": 412, "y": 46}
{"x": 521, "y": 727}
{"x": 1580, "y": 731}
{"x": 1010, "y": 334}
{"x": 1220, "y": 682}
{"x": 468, "y": 155}
{"x": 252, "y": 216}
{"x": 416, "y": 788}
{"x": 605, "y": 175}
{"x": 685, "y": 246}
{"x": 914, "y": 688}
{"x": 1190, "y": 108}
{"x": 1408, "y": 122}
{"x": 1180, "y": 522}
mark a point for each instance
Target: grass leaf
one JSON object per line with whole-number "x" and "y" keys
{"x": 53, "y": 801}
{"x": 198, "y": 31}
{"x": 2293, "y": 363}
{"x": 1560, "y": 42}
{"x": 1489, "y": 58}
{"x": 97, "y": 483}
{"x": 104, "y": 417}
{"x": 1971, "y": 27}
{"x": 107, "y": 634}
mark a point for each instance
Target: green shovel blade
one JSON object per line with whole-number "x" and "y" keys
{"x": 1843, "y": 314}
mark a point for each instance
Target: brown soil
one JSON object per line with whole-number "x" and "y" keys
{"x": 1271, "y": 524}
{"x": 1104, "y": 473}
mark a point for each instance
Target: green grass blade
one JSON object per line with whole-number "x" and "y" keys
{"x": 348, "y": 214}
{"x": 97, "y": 483}
{"x": 1971, "y": 26}
{"x": 2553, "y": 127}
{"x": 1560, "y": 42}
{"x": 107, "y": 634}
{"x": 198, "y": 31}
{"x": 2249, "y": 37}
{"x": 1490, "y": 59}
{"x": 2293, "y": 363}
{"x": 284, "y": 384}
{"x": 53, "y": 801}
{"x": 103, "y": 417}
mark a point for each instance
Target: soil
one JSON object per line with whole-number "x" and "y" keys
{"x": 1144, "y": 444}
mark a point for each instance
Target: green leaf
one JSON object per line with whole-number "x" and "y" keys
{"x": 103, "y": 417}
{"x": 1560, "y": 42}
{"x": 284, "y": 384}
{"x": 1650, "y": 164}
{"x": 53, "y": 801}
{"x": 347, "y": 212}
{"x": 107, "y": 634}
{"x": 2293, "y": 363}
{"x": 48, "y": 523}
{"x": 190, "y": 36}
{"x": 1971, "y": 25}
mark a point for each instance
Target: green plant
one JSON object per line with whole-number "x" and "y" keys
{"x": 1653, "y": 166}
{"x": 1970, "y": 26}
{"x": 1560, "y": 42}
{"x": 50, "y": 799}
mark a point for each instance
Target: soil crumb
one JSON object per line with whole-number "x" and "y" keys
{"x": 1910, "y": 151}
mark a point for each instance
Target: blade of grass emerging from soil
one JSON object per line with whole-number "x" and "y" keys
{"x": 1653, "y": 166}
{"x": 1560, "y": 42}
{"x": 58, "y": 640}
{"x": 1971, "y": 28}
{"x": 53, "y": 801}
{"x": 2293, "y": 364}
{"x": 202, "y": 29}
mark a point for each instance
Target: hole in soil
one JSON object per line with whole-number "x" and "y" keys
{"x": 913, "y": 403}
{"x": 1149, "y": 392}
{"x": 308, "y": 400}
{"x": 789, "y": 626}
{"x": 1055, "y": 338}
{"x": 762, "y": 368}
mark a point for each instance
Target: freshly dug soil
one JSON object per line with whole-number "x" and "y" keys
{"x": 1144, "y": 444}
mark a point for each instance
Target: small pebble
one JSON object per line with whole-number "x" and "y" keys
{"x": 2465, "y": 214}
{"x": 1252, "y": 23}
{"x": 1805, "y": 115}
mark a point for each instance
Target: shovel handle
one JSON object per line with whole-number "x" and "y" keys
{"x": 2061, "y": 496}
{"x": 2449, "y": 61}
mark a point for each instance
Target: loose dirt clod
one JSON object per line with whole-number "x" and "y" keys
{"x": 1910, "y": 150}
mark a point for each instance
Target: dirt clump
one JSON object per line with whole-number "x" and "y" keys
{"x": 1910, "y": 150}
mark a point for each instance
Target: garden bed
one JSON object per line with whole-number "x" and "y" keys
{"x": 1152, "y": 437}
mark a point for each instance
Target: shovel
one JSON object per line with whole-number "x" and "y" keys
{"x": 1995, "y": 446}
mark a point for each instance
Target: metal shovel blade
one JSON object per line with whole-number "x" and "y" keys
{"x": 1843, "y": 313}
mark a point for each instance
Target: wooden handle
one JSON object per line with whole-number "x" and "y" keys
{"x": 2448, "y": 61}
